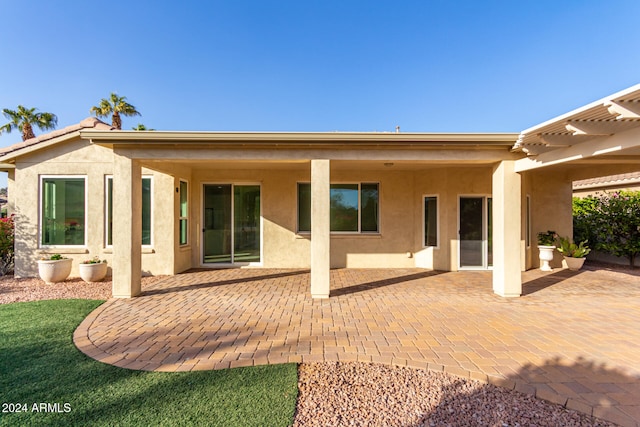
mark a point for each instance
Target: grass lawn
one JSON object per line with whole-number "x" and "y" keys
{"x": 40, "y": 364}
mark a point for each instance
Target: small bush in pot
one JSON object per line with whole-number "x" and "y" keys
{"x": 93, "y": 270}
{"x": 574, "y": 255}
{"x": 54, "y": 268}
{"x": 547, "y": 238}
{"x": 546, "y": 241}
{"x": 572, "y": 250}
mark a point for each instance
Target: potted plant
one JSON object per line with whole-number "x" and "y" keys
{"x": 573, "y": 254}
{"x": 93, "y": 270}
{"x": 55, "y": 268}
{"x": 546, "y": 246}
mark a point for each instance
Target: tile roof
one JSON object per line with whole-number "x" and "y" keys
{"x": 621, "y": 179}
{"x": 88, "y": 123}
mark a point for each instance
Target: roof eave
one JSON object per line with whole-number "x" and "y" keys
{"x": 12, "y": 155}
{"x": 297, "y": 138}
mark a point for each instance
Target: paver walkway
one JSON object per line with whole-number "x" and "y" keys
{"x": 573, "y": 338}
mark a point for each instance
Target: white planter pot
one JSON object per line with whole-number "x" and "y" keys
{"x": 574, "y": 264}
{"x": 53, "y": 271}
{"x": 546, "y": 255}
{"x": 93, "y": 272}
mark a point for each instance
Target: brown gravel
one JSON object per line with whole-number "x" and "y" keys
{"x": 362, "y": 394}
{"x": 34, "y": 289}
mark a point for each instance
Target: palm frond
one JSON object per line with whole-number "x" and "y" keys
{"x": 24, "y": 117}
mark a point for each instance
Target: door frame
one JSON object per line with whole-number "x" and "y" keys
{"x": 485, "y": 231}
{"x": 202, "y": 219}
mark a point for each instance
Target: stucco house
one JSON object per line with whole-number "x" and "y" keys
{"x": 160, "y": 202}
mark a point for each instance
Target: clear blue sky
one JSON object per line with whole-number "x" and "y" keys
{"x": 318, "y": 65}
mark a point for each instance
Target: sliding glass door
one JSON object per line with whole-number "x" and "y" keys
{"x": 475, "y": 242}
{"x": 231, "y": 219}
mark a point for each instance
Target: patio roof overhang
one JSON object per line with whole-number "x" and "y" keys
{"x": 334, "y": 140}
{"x": 604, "y": 129}
{"x": 197, "y": 147}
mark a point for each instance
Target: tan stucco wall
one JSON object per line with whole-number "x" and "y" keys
{"x": 78, "y": 157}
{"x": 448, "y": 183}
{"x": 399, "y": 243}
{"x": 551, "y": 194}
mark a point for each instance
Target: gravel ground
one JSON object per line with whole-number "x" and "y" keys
{"x": 362, "y": 394}
{"x": 34, "y": 289}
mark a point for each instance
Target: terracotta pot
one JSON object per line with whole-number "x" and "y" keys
{"x": 53, "y": 271}
{"x": 546, "y": 255}
{"x": 93, "y": 272}
{"x": 574, "y": 264}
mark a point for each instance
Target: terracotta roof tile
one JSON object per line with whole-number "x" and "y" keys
{"x": 88, "y": 123}
{"x": 620, "y": 179}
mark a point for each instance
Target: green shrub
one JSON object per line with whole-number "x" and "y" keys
{"x": 7, "y": 238}
{"x": 610, "y": 221}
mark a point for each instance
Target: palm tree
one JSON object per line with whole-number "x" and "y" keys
{"x": 116, "y": 106}
{"x": 141, "y": 127}
{"x": 25, "y": 118}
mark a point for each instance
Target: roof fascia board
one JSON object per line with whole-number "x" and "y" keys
{"x": 296, "y": 138}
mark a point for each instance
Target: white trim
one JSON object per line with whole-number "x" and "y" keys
{"x": 527, "y": 221}
{"x": 106, "y": 210}
{"x": 437, "y": 197}
{"x": 180, "y": 217}
{"x": 40, "y": 207}
{"x": 151, "y": 210}
{"x": 202, "y": 218}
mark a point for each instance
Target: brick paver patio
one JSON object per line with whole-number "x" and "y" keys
{"x": 573, "y": 338}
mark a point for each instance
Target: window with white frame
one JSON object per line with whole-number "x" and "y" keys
{"x": 430, "y": 215}
{"x": 147, "y": 186}
{"x": 354, "y": 208}
{"x": 62, "y": 210}
{"x": 184, "y": 213}
{"x": 527, "y": 231}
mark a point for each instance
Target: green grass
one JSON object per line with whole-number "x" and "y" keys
{"x": 40, "y": 364}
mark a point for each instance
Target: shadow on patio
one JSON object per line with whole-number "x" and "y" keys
{"x": 360, "y": 287}
{"x": 206, "y": 282}
{"x": 582, "y": 385}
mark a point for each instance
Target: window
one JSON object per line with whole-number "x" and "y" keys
{"x": 146, "y": 210}
{"x": 527, "y": 231}
{"x": 184, "y": 212}
{"x": 430, "y": 221}
{"x": 353, "y": 207}
{"x": 63, "y": 211}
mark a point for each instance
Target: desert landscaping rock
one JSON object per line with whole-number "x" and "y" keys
{"x": 363, "y": 394}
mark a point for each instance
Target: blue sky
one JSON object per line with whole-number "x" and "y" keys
{"x": 307, "y": 65}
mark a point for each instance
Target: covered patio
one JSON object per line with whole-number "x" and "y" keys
{"x": 572, "y": 338}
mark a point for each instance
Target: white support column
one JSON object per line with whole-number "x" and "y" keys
{"x": 507, "y": 220}
{"x": 320, "y": 228}
{"x": 127, "y": 226}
